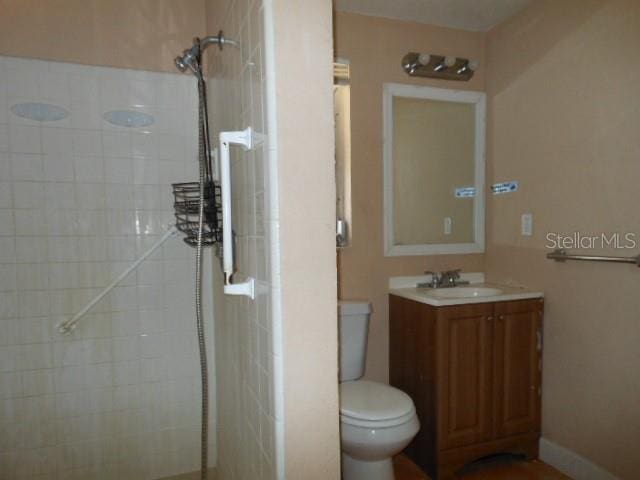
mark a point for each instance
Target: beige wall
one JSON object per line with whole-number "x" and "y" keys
{"x": 564, "y": 109}
{"x": 140, "y": 34}
{"x": 375, "y": 47}
{"x": 306, "y": 190}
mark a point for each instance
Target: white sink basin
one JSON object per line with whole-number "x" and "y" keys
{"x": 465, "y": 292}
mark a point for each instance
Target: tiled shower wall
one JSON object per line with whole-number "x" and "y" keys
{"x": 80, "y": 199}
{"x": 245, "y": 353}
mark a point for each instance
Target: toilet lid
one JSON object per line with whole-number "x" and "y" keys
{"x": 365, "y": 400}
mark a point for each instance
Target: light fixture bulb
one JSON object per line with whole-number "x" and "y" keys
{"x": 450, "y": 61}
{"x": 424, "y": 59}
{"x": 473, "y": 65}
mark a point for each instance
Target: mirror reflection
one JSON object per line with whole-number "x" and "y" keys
{"x": 433, "y": 170}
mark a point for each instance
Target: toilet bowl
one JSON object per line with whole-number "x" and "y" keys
{"x": 376, "y": 420}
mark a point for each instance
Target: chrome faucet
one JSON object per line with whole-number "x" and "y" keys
{"x": 448, "y": 278}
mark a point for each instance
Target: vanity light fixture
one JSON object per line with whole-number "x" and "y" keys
{"x": 438, "y": 66}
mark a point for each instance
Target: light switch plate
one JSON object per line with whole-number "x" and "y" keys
{"x": 447, "y": 225}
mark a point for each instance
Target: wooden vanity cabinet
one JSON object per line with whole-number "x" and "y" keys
{"x": 474, "y": 374}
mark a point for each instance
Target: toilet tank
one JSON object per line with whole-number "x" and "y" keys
{"x": 353, "y": 317}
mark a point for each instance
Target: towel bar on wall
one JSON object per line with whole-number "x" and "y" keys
{"x": 562, "y": 255}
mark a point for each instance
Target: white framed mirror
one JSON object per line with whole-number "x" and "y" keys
{"x": 434, "y": 147}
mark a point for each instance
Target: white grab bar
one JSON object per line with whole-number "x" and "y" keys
{"x": 244, "y": 139}
{"x": 70, "y": 324}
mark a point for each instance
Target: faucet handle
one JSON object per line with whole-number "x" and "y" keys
{"x": 455, "y": 274}
{"x": 436, "y": 278}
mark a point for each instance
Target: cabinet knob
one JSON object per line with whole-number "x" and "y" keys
{"x": 490, "y": 318}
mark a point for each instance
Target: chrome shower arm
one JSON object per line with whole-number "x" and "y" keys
{"x": 219, "y": 40}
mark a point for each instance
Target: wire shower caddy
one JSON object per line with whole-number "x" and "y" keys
{"x": 187, "y": 210}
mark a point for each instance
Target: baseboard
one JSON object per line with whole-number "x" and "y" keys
{"x": 570, "y": 463}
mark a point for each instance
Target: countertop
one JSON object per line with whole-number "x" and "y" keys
{"x": 400, "y": 286}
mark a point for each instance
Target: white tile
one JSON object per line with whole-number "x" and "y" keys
{"x": 60, "y": 196}
{"x": 121, "y": 248}
{"x": 37, "y": 382}
{"x": 22, "y": 83}
{"x": 99, "y": 375}
{"x": 84, "y": 88}
{"x": 86, "y": 114}
{"x": 10, "y": 385}
{"x": 125, "y": 323}
{"x": 31, "y": 249}
{"x": 98, "y": 350}
{"x": 62, "y": 222}
{"x": 7, "y": 250}
{"x": 92, "y": 249}
{"x": 7, "y": 226}
{"x": 153, "y": 370}
{"x": 27, "y": 167}
{"x": 89, "y": 169}
{"x": 116, "y": 144}
{"x": 25, "y": 139}
{"x": 90, "y": 196}
{"x": 143, "y": 145}
{"x": 28, "y": 195}
{"x": 58, "y": 167}
{"x": 62, "y": 249}
{"x": 33, "y": 303}
{"x": 29, "y": 222}
{"x": 54, "y": 86}
{"x": 69, "y": 378}
{"x": 6, "y": 197}
{"x": 91, "y": 222}
{"x": 4, "y": 137}
{"x": 36, "y": 356}
{"x": 119, "y": 170}
{"x": 86, "y": 143}
{"x": 10, "y": 358}
{"x": 8, "y": 277}
{"x": 124, "y": 298}
{"x": 90, "y": 218}
{"x": 57, "y": 141}
{"x": 71, "y": 404}
{"x": 141, "y": 93}
{"x": 34, "y": 330}
{"x": 147, "y": 197}
{"x": 152, "y": 321}
{"x": 145, "y": 172}
{"x": 170, "y": 147}
{"x": 113, "y": 92}
{"x": 32, "y": 276}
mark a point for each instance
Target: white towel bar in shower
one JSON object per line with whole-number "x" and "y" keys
{"x": 69, "y": 325}
{"x": 244, "y": 139}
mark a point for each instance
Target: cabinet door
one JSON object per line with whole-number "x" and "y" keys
{"x": 518, "y": 354}
{"x": 464, "y": 372}
{"x": 412, "y": 367}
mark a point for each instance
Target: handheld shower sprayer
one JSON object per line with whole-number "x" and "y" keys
{"x": 198, "y": 213}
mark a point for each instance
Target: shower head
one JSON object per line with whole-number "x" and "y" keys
{"x": 190, "y": 57}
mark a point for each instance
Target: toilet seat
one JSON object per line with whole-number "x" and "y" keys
{"x": 374, "y": 405}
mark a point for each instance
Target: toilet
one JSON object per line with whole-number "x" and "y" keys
{"x": 376, "y": 420}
